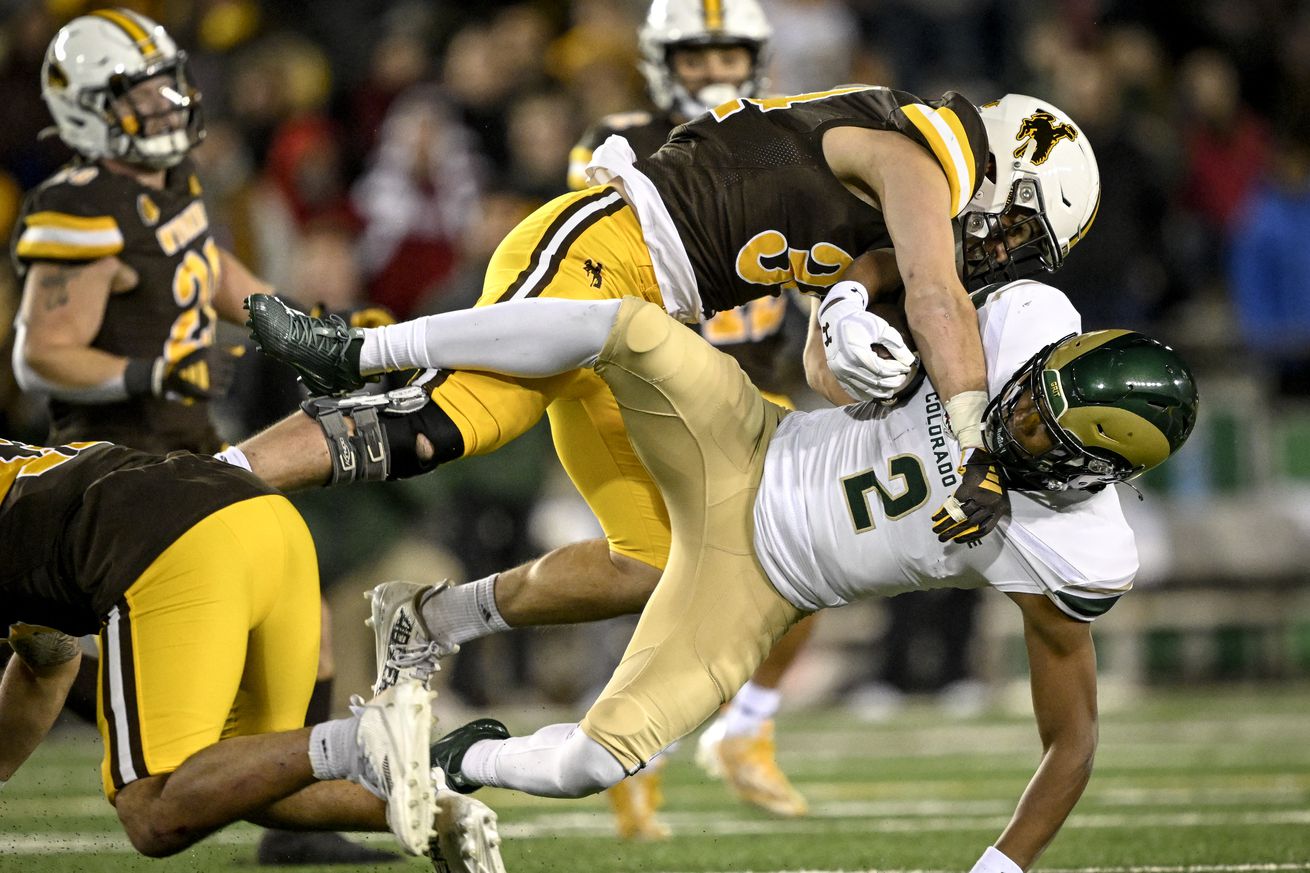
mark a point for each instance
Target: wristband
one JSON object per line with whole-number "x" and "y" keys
{"x": 964, "y": 414}
{"x": 141, "y": 376}
{"x": 995, "y": 861}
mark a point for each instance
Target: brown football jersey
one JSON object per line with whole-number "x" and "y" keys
{"x": 753, "y": 333}
{"x": 81, "y": 522}
{"x": 86, "y": 212}
{"x": 756, "y": 206}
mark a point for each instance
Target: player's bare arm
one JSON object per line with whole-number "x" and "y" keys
{"x": 32, "y": 691}
{"x": 289, "y": 455}
{"x": 906, "y": 182}
{"x": 1062, "y": 664}
{"x": 236, "y": 283}
{"x": 61, "y": 313}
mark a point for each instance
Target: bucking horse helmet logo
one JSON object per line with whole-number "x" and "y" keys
{"x": 1045, "y": 130}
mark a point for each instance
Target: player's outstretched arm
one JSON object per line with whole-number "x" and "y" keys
{"x": 36, "y": 681}
{"x": 908, "y": 185}
{"x": 235, "y": 284}
{"x": 1062, "y": 664}
{"x": 289, "y": 455}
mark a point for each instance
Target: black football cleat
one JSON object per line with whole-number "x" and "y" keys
{"x": 324, "y": 351}
{"x": 448, "y": 752}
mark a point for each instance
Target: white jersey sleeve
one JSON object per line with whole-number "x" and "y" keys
{"x": 845, "y": 503}
{"x": 1017, "y": 320}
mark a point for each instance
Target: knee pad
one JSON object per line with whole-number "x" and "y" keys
{"x": 586, "y": 767}
{"x": 386, "y": 427}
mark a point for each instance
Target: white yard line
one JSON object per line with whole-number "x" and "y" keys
{"x": 554, "y": 826}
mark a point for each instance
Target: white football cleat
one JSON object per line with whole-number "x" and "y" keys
{"x": 404, "y": 647}
{"x": 395, "y": 731}
{"x": 467, "y": 840}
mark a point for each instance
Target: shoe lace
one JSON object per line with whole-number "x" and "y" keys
{"x": 421, "y": 657}
{"x": 325, "y": 334}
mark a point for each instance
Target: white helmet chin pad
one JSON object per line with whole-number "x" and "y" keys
{"x": 672, "y": 24}
{"x": 91, "y": 65}
{"x": 691, "y": 105}
{"x": 1040, "y": 160}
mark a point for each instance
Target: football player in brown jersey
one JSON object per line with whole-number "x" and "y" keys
{"x": 123, "y": 282}
{"x": 207, "y": 620}
{"x": 695, "y": 56}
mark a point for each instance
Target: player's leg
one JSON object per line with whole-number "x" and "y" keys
{"x": 713, "y": 616}
{"x": 545, "y": 312}
{"x": 175, "y": 652}
{"x": 605, "y": 585}
{"x": 739, "y": 746}
{"x": 472, "y": 413}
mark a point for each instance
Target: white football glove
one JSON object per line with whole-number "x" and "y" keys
{"x": 850, "y": 335}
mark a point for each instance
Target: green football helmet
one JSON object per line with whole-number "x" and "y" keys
{"x": 1115, "y": 403}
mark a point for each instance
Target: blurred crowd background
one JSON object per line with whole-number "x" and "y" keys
{"x": 378, "y": 151}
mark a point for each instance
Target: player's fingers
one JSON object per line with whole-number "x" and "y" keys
{"x": 954, "y": 509}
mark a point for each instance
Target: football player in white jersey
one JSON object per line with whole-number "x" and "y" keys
{"x": 777, "y": 514}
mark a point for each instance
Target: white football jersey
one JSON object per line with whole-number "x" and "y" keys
{"x": 844, "y": 509}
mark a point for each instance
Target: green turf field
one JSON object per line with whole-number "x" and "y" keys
{"x": 1199, "y": 781}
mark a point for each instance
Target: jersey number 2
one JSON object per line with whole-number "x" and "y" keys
{"x": 912, "y": 493}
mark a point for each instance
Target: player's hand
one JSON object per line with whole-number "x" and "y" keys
{"x": 867, "y": 356}
{"x": 977, "y": 505}
{"x": 204, "y": 374}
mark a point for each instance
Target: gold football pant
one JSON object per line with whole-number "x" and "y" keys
{"x": 217, "y": 638}
{"x": 585, "y": 245}
{"x": 701, "y": 428}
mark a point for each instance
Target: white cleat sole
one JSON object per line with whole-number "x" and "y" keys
{"x": 467, "y": 839}
{"x": 411, "y": 802}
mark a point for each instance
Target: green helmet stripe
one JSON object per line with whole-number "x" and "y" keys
{"x": 1125, "y": 433}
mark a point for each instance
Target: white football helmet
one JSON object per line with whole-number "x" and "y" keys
{"x": 673, "y": 24}
{"x": 90, "y": 82}
{"x": 1043, "y": 176}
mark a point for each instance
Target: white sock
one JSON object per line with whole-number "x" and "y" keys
{"x": 750, "y": 709}
{"x": 333, "y": 750}
{"x": 464, "y": 612}
{"x": 557, "y": 761}
{"x": 523, "y": 338}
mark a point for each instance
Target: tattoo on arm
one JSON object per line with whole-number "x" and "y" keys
{"x": 54, "y": 288}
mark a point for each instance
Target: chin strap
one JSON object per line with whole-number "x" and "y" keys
{"x": 382, "y": 445}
